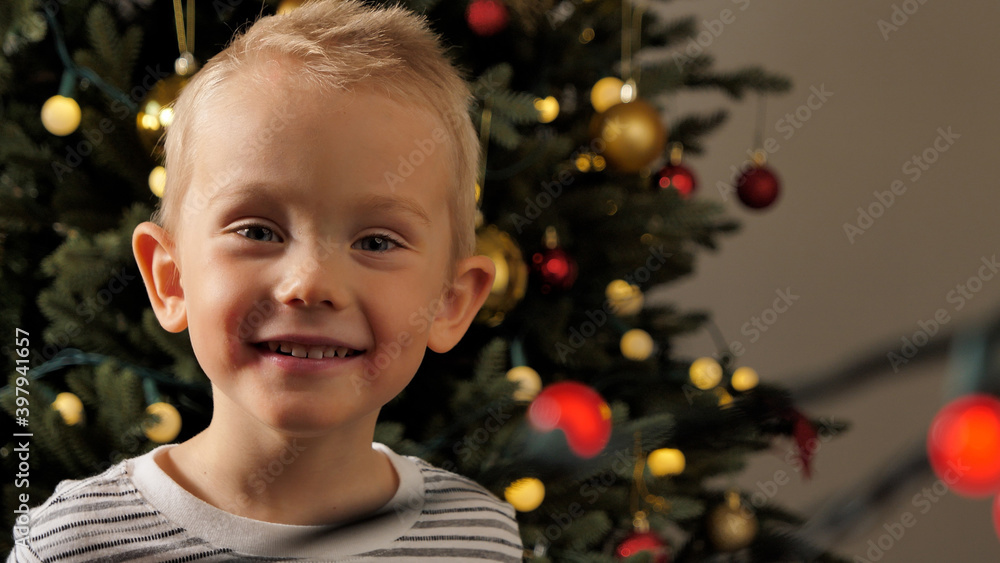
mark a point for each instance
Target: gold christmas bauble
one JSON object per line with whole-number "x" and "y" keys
{"x": 666, "y": 461}
{"x": 705, "y": 373}
{"x": 632, "y": 133}
{"x": 744, "y": 379}
{"x": 637, "y": 344}
{"x": 528, "y": 380}
{"x": 167, "y": 428}
{"x": 60, "y": 115}
{"x": 70, "y": 408}
{"x": 606, "y": 93}
{"x": 624, "y": 298}
{"x": 525, "y": 494}
{"x": 732, "y": 525}
{"x": 287, "y": 6}
{"x": 156, "y": 112}
{"x": 511, "y": 274}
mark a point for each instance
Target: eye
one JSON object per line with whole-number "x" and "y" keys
{"x": 378, "y": 243}
{"x": 257, "y": 233}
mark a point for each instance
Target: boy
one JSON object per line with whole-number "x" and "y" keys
{"x": 311, "y": 139}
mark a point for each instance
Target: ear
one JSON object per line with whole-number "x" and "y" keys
{"x": 155, "y": 253}
{"x": 472, "y": 285}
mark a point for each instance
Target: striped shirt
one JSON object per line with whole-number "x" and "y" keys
{"x": 135, "y": 512}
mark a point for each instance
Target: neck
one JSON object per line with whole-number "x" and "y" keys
{"x": 241, "y": 466}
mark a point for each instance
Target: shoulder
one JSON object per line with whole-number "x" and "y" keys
{"x": 95, "y": 518}
{"x": 443, "y": 486}
{"x": 76, "y": 507}
{"x": 107, "y": 490}
{"x": 454, "y": 500}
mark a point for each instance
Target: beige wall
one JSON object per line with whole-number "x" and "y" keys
{"x": 890, "y": 97}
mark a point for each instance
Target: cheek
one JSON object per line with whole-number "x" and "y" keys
{"x": 221, "y": 320}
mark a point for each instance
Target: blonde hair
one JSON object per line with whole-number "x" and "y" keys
{"x": 339, "y": 43}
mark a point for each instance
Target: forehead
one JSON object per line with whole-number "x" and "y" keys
{"x": 274, "y": 131}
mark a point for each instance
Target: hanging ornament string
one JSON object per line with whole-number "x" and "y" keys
{"x": 627, "y": 92}
{"x": 185, "y": 39}
{"x": 761, "y": 113}
{"x": 758, "y": 186}
{"x": 639, "y": 490}
{"x": 631, "y": 22}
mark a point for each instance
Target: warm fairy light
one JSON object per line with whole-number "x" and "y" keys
{"x": 548, "y": 109}
{"x": 528, "y": 380}
{"x": 666, "y": 461}
{"x": 745, "y": 378}
{"x": 606, "y": 93}
{"x": 637, "y": 344}
{"x": 69, "y": 406}
{"x": 525, "y": 494}
{"x": 158, "y": 180}
{"x": 705, "y": 373}
{"x": 60, "y": 115}
{"x": 168, "y": 426}
{"x": 624, "y": 298}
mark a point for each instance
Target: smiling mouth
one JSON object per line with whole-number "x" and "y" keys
{"x": 311, "y": 352}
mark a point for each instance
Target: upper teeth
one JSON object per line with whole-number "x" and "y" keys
{"x": 314, "y": 352}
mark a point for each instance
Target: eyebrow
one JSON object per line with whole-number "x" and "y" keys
{"x": 397, "y": 203}
{"x": 373, "y": 202}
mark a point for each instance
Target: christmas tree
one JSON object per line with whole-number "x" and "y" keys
{"x": 565, "y": 396}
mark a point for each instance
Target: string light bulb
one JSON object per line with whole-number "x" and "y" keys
{"x": 158, "y": 180}
{"x": 705, "y": 373}
{"x": 525, "y": 494}
{"x": 744, "y": 379}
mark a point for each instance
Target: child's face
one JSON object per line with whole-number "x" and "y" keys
{"x": 291, "y": 231}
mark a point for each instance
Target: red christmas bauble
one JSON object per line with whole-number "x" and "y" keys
{"x": 556, "y": 269}
{"x": 678, "y": 177}
{"x": 576, "y": 409}
{"x": 486, "y": 17}
{"x": 963, "y": 445}
{"x": 758, "y": 187}
{"x": 638, "y": 542}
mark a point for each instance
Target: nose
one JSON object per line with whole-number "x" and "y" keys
{"x": 313, "y": 277}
